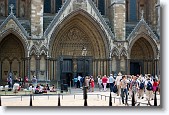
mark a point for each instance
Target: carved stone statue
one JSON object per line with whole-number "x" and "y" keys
{"x": 2, "y": 9}
{"x": 22, "y": 10}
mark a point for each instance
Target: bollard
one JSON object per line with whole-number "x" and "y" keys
{"x": 30, "y": 99}
{"x": 110, "y": 100}
{"x": 0, "y": 101}
{"x": 85, "y": 95}
{"x": 155, "y": 99}
{"x": 59, "y": 100}
{"x": 114, "y": 99}
{"x": 133, "y": 100}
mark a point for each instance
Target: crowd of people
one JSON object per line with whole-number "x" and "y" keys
{"x": 124, "y": 86}
{"x": 128, "y": 85}
{"x": 32, "y": 85}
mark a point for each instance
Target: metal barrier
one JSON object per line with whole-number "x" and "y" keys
{"x": 74, "y": 96}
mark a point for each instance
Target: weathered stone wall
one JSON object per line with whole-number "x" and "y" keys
{"x": 119, "y": 19}
{"x": 37, "y": 18}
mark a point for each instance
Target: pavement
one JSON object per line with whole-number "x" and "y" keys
{"x": 72, "y": 98}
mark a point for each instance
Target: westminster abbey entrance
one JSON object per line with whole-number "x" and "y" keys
{"x": 75, "y": 33}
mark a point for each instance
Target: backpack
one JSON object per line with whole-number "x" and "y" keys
{"x": 142, "y": 85}
{"x": 115, "y": 89}
{"x": 149, "y": 86}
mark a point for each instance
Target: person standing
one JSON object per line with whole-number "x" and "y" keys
{"x": 92, "y": 84}
{"x": 124, "y": 91}
{"x": 78, "y": 81}
{"x": 26, "y": 82}
{"x": 118, "y": 78}
{"x": 99, "y": 82}
{"x": 104, "y": 81}
{"x": 111, "y": 82}
{"x": 141, "y": 88}
{"x": 9, "y": 82}
{"x": 75, "y": 82}
{"x": 149, "y": 90}
{"x": 34, "y": 81}
{"x": 134, "y": 87}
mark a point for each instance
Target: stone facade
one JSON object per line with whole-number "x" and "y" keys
{"x": 36, "y": 18}
{"x": 119, "y": 19}
{"x": 50, "y": 45}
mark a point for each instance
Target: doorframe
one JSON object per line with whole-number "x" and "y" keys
{"x": 141, "y": 64}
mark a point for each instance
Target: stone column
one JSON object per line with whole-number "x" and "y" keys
{"x": 96, "y": 61}
{"x": 53, "y": 69}
{"x": 24, "y": 67}
{"x": 10, "y": 66}
{"x": 158, "y": 15}
{"x": 119, "y": 10}
{"x": 37, "y": 67}
{"x": 0, "y": 70}
{"x": 47, "y": 68}
{"x": 19, "y": 68}
{"x": 110, "y": 66}
{"x": 74, "y": 67}
{"x": 28, "y": 67}
{"x": 126, "y": 66}
{"x": 37, "y": 18}
{"x": 117, "y": 65}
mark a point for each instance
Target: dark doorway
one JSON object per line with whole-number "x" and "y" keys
{"x": 69, "y": 79}
{"x": 134, "y": 68}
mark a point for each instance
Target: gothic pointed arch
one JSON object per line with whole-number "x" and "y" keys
{"x": 12, "y": 52}
{"x": 43, "y": 50}
{"x": 123, "y": 52}
{"x": 33, "y": 50}
{"x": 115, "y": 52}
{"x": 149, "y": 45}
{"x": 79, "y": 26}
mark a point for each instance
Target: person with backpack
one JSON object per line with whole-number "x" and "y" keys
{"x": 141, "y": 89}
{"x": 149, "y": 90}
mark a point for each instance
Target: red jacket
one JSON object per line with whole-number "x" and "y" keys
{"x": 104, "y": 80}
{"x": 155, "y": 84}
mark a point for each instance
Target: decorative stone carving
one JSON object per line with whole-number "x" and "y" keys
{"x": 123, "y": 52}
{"x": 74, "y": 39}
{"x": 115, "y": 52}
{"x": 79, "y": 4}
{"x": 119, "y": 44}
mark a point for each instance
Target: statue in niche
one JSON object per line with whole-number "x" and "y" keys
{"x": 22, "y": 10}
{"x": 2, "y": 9}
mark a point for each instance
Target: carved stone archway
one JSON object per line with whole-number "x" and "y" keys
{"x": 142, "y": 60}
{"x": 76, "y": 32}
{"x": 12, "y": 54}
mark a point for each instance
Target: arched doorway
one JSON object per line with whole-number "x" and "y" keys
{"x": 12, "y": 55}
{"x": 142, "y": 57}
{"x": 79, "y": 30}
